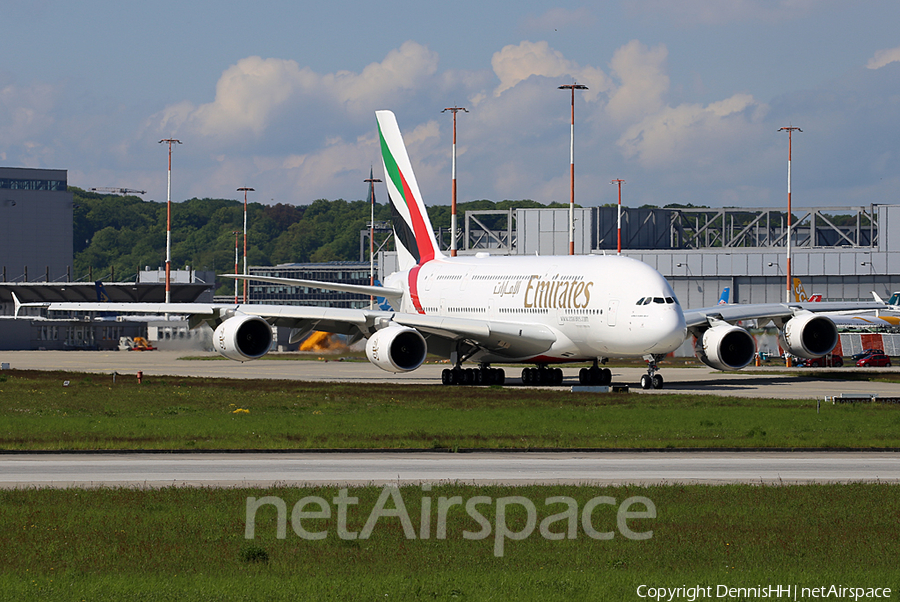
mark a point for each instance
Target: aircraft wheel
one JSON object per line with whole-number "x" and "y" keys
{"x": 607, "y": 377}
{"x": 657, "y": 381}
{"x": 557, "y": 376}
{"x": 446, "y": 376}
{"x": 499, "y": 377}
{"x": 646, "y": 381}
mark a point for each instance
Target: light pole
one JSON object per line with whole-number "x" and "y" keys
{"x": 246, "y": 282}
{"x": 372, "y": 180}
{"x": 170, "y": 142}
{"x": 619, "y": 181}
{"x": 453, "y": 110}
{"x": 790, "y": 131}
{"x": 236, "y": 233}
{"x": 572, "y": 87}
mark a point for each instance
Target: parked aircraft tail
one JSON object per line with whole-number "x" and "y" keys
{"x": 800, "y": 295}
{"x": 412, "y": 227}
{"x": 102, "y": 296}
{"x": 726, "y": 292}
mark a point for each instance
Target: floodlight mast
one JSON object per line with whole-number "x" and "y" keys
{"x": 453, "y": 221}
{"x": 619, "y": 181}
{"x": 170, "y": 142}
{"x": 371, "y": 180}
{"x": 789, "y": 285}
{"x": 236, "y": 234}
{"x": 572, "y": 87}
{"x": 246, "y": 282}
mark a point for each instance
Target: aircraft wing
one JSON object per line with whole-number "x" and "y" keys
{"x": 769, "y": 311}
{"x": 504, "y": 338}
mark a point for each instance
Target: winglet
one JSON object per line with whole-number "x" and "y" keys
{"x": 878, "y": 299}
{"x": 17, "y": 304}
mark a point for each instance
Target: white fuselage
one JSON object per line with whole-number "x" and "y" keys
{"x": 590, "y": 302}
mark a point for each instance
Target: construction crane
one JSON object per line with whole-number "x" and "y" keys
{"x": 119, "y": 190}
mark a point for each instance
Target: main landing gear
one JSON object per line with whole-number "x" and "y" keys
{"x": 484, "y": 375}
{"x": 652, "y": 380}
{"x": 542, "y": 375}
{"x": 595, "y": 375}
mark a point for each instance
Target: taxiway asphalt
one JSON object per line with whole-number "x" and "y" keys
{"x": 768, "y": 382}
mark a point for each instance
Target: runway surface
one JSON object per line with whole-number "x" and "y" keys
{"x": 750, "y": 382}
{"x": 601, "y": 468}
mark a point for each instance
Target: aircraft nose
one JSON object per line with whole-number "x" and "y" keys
{"x": 670, "y": 328}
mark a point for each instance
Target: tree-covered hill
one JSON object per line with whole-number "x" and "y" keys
{"x": 122, "y": 235}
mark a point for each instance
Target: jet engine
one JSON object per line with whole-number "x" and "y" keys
{"x": 725, "y": 347}
{"x": 397, "y": 349}
{"x": 808, "y": 335}
{"x": 243, "y": 338}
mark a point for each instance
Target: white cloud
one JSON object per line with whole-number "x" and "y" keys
{"x": 644, "y": 82}
{"x": 516, "y": 63}
{"x": 253, "y": 94}
{"x": 884, "y": 57}
{"x": 691, "y": 133}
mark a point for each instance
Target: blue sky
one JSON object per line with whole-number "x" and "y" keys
{"x": 685, "y": 97}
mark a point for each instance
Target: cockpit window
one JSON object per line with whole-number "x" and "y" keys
{"x": 640, "y": 301}
{"x": 648, "y": 300}
{"x": 670, "y": 300}
{"x": 658, "y": 300}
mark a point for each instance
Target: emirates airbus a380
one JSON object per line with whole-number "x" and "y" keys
{"x": 539, "y": 311}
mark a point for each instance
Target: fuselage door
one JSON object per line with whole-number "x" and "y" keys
{"x": 612, "y": 310}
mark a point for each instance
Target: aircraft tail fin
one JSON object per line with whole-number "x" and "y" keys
{"x": 799, "y": 294}
{"x": 726, "y": 292}
{"x": 102, "y": 296}
{"x": 412, "y": 227}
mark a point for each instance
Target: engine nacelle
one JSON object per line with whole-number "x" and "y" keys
{"x": 243, "y": 338}
{"x": 397, "y": 349}
{"x": 725, "y": 347}
{"x": 809, "y": 335}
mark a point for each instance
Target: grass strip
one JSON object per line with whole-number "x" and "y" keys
{"x": 189, "y": 543}
{"x": 39, "y": 412}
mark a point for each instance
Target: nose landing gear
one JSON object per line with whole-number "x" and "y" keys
{"x": 652, "y": 380}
